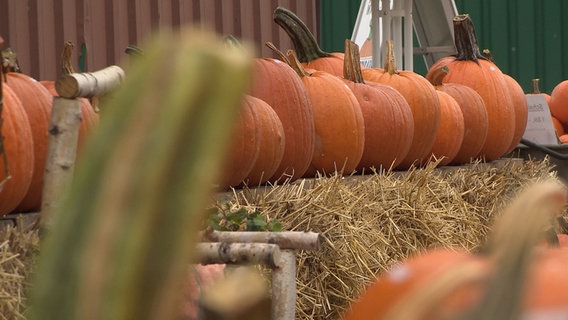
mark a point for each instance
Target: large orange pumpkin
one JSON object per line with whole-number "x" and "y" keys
{"x": 244, "y": 146}
{"x": 512, "y": 279}
{"x": 272, "y": 143}
{"x": 389, "y": 125}
{"x": 276, "y": 83}
{"x": 559, "y": 101}
{"x": 36, "y": 101}
{"x": 474, "y": 115}
{"x": 470, "y": 68}
{"x": 18, "y": 149}
{"x": 339, "y": 124}
{"x": 307, "y": 49}
{"x": 423, "y": 101}
{"x": 452, "y": 130}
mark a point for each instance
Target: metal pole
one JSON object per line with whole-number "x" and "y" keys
{"x": 408, "y": 37}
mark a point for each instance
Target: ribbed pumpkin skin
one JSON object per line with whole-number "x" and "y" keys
{"x": 423, "y": 101}
{"x": 488, "y": 81}
{"x": 18, "y": 145}
{"x": 272, "y": 142}
{"x": 89, "y": 118}
{"x": 244, "y": 146}
{"x": 413, "y": 275}
{"x": 332, "y": 64}
{"x": 521, "y": 109}
{"x": 277, "y": 84}
{"x": 36, "y": 101}
{"x": 389, "y": 125}
{"x": 475, "y": 118}
{"x": 340, "y": 128}
{"x": 558, "y": 127}
{"x": 450, "y": 136}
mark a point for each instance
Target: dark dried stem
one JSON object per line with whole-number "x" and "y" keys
{"x": 465, "y": 39}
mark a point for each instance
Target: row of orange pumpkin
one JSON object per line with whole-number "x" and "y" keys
{"x": 332, "y": 115}
{"x": 26, "y": 115}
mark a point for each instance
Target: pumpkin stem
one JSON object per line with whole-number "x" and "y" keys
{"x": 535, "y": 86}
{"x": 465, "y": 39}
{"x": 66, "y": 66}
{"x": 352, "y": 62}
{"x": 296, "y": 64}
{"x": 488, "y": 55}
{"x": 390, "y": 62}
{"x": 232, "y": 41}
{"x": 280, "y": 54}
{"x": 9, "y": 61}
{"x": 305, "y": 45}
{"x": 437, "y": 75}
{"x": 133, "y": 50}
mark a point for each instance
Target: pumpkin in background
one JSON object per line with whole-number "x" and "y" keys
{"x": 244, "y": 146}
{"x": 272, "y": 142}
{"x": 423, "y": 101}
{"x": 558, "y": 126}
{"x": 89, "y": 118}
{"x": 470, "y": 68}
{"x": 514, "y": 278}
{"x": 559, "y": 101}
{"x": 36, "y": 101}
{"x": 339, "y": 124}
{"x": 276, "y": 83}
{"x": 452, "y": 129}
{"x": 520, "y": 105}
{"x": 18, "y": 148}
{"x": 305, "y": 45}
{"x": 473, "y": 111}
{"x": 389, "y": 125}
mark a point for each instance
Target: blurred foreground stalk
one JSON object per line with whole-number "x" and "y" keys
{"x": 119, "y": 246}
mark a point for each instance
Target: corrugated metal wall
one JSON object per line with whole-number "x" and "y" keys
{"x": 528, "y": 38}
{"x": 37, "y": 29}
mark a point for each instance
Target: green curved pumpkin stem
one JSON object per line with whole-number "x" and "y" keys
{"x": 390, "y": 62}
{"x": 436, "y": 76}
{"x": 352, "y": 62}
{"x": 465, "y": 39}
{"x": 306, "y": 46}
{"x": 232, "y": 41}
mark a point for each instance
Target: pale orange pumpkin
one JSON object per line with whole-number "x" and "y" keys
{"x": 276, "y": 83}
{"x": 389, "y": 126}
{"x": 423, "y": 101}
{"x": 559, "y": 101}
{"x": 470, "y": 68}
{"x": 272, "y": 143}
{"x": 339, "y": 124}
{"x": 18, "y": 150}
{"x": 474, "y": 115}
{"x": 36, "y": 101}
{"x": 452, "y": 130}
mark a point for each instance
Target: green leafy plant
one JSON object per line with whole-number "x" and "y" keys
{"x": 224, "y": 219}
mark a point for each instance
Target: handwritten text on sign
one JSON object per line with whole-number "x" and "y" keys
{"x": 539, "y": 123}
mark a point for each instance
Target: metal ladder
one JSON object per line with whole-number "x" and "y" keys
{"x": 386, "y": 19}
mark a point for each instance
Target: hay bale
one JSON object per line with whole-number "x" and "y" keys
{"x": 18, "y": 251}
{"x": 371, "y": 222}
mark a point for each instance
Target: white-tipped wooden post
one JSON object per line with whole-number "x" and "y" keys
{"x": 64, "y": 131}
{"x": 61, "y": 153}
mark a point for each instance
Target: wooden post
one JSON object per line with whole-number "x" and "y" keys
{"x": 89, "y": 84}
{"x": 61, "y": 154}
{"x": 64, "y": 132}
{"x": 284, "y": 287}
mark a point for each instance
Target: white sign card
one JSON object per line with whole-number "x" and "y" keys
{"x": 539, "y": 123}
